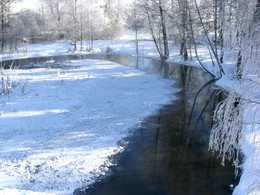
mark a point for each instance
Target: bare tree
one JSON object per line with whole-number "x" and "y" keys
{"x": 211, "y": 44}
{"x": 90, "y": 25}
{"x": 5, "y": 6}
{"x": 75, "y": 22}
{"x": 55, "y": 13}
{"x": 135, "y": 22}
{"x": 156, "y": 22}
{"x": 183, "y": 6}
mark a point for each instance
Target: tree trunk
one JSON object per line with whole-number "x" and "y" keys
{"x": 221, "y": 44}
{"x": 152, "y": 32}
{"x": 184, "y": 50}
{"x": 75, "y": 25}
{"x": 136, "y": 42}
{"x": 221, "y": 31}
{"x": 184, "y": 16}
{"x": 216, "y": 27}
{"x": 2, "y": 27}
{"x": 239, "y": 66}
{"x": 164, "y": 33}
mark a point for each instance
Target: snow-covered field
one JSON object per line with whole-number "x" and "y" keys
{"x": 59, "y": 126}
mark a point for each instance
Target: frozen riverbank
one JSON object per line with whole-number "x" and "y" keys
{"x": 60, "y": 125}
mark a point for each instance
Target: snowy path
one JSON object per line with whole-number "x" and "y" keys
{"x": 60, "y": 125}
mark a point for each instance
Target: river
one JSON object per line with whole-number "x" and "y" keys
{"x": 167, "y": 154}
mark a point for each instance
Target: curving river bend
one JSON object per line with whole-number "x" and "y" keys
{"x": 168, "y": 153}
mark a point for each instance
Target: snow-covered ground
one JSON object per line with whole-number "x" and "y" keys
{"x": 67, "y": 117}
{"x": 60, "y": 125}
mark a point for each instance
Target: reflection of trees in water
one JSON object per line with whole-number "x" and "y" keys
{"x": 170, "y": 154}
{"x": 183, "y": 169}
{"x": 198, "y": 98}
{"x": 197, "y": 112}
{"x": 181, "y": 140}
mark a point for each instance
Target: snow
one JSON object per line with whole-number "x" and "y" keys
{"x": 250, "y": 146}
{"x": 249, "y": 183}
{"x": 59, "y": 126}
{"x": 64, "y": 123}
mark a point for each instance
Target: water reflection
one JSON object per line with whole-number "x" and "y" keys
{"x": 158, "y": 160}
{"x": 168, "y": 153}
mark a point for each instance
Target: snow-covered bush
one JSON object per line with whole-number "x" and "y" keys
{"x": 8, "y": 79}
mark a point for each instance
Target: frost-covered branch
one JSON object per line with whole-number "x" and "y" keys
{"x": 226, "y": 132}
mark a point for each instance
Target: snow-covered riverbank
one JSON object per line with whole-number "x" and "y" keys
{"x": 59, "y": 126}
{"x": 250, "y": 138}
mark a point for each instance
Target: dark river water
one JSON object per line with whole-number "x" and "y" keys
{"x": 168, "y": 152}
